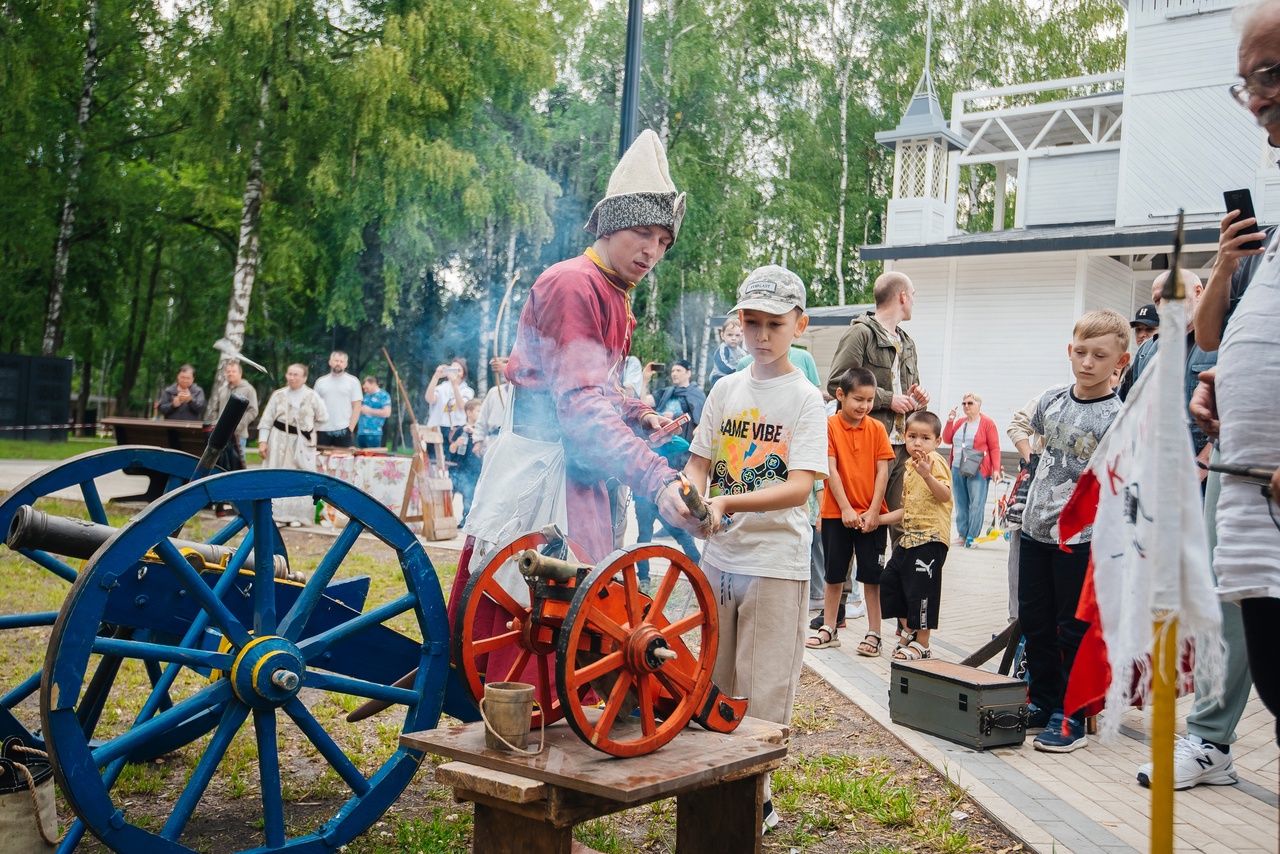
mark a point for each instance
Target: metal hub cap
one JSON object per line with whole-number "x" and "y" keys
{"x": 268, "y": 672}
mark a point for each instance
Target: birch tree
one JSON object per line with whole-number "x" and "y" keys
{"x": 67, "y": 218}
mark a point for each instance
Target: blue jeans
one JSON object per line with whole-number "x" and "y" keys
{"x": 970, "y": 495}
{"x": 646, "y": 515}
{"x": 368, "y": 440}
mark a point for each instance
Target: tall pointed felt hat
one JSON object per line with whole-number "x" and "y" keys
{"x": 640, "y": 192}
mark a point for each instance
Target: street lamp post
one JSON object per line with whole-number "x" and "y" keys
{"x": 631, "y": 77}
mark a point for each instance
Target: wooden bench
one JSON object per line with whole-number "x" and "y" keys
{"x": 189, "y": 436}
{"x": 528, "y": 804}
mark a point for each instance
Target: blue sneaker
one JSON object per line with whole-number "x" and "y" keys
{"x": 1037, "y": 718}
{"x": 1062, "y": 735}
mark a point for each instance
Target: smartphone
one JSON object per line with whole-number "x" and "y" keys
{"x": 662, "y": 434}
{"x": 1242, "y": 200}
{"x": 658, "y": 367}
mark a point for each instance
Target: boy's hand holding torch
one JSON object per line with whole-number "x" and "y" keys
{"x": 711, "y": 522}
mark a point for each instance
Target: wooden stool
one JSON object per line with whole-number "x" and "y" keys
{"x": 529, "y": 804}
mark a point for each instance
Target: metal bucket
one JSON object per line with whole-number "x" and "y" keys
{"x": 507, "y": 709}
{"x": 28, "y": 813}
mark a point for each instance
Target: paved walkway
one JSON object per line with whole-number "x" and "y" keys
{"x": 1086, "y": 802}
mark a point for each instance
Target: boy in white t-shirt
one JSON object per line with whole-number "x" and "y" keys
{"x": 762, "y": 443}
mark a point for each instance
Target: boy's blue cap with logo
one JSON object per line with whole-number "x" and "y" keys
{"x": 771, "y": 289}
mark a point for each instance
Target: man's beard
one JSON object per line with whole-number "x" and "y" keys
{"x": 1267, "y": 118}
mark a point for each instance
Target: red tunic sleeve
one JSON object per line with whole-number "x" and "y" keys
{"x": 574, "y": 332}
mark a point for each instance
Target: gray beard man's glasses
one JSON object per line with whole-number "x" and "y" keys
{"x": 1264, "y": 82}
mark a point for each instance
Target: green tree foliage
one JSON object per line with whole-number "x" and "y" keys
{"x": 416, "y": 156}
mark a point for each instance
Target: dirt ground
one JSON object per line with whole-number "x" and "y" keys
{"x": 826, "y": 726}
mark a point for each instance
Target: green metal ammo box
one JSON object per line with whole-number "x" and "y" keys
{"x": 966, "y": 705}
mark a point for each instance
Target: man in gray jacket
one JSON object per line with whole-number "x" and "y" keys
{"x": 877, "y": 342}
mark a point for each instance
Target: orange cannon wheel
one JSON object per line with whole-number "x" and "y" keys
{"x": 649, "y": 657}
{"x": 496, "y": 638}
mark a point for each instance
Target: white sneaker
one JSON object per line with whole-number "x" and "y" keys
{"x": 855, "y": 609}
{"x": 771, "y": 817}
{"x": 1195, "y": 762}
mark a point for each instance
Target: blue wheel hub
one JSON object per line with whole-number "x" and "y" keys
{"x": 268, "y": 672}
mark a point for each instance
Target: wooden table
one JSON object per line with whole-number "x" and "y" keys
{"x": 189, "y": 436}
{"x": 529, "y": 804}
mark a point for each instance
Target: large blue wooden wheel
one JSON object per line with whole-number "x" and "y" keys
{"x": 80, "y": 474}
{"x": 272, "y": 649}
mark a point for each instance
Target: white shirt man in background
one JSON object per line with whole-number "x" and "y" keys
{"x": 342, "y": 396}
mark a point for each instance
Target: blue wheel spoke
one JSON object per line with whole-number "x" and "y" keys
{"x": 264, "y": 724}
{"x": 160, "y": 693}
{"x": 191, "y": 580}
{"x": 71, "y": 838}
{"x": 55, "y": 565}
{"x": 98, "y": 513}
{"x": 317, "y": 645}
{"x": 232, "y": 719}
{"x": 163, "y": 652}
{"x": 264, "y": 574}
{"x": 360, "y": 688}
{"x": 329, "y": 749}
{"x": 238, "y": 559}
{"x": 126, "y": 743}
{"x": 28, "y": 621}
{"x": 296, "y": 620}
{"x": 228, "y": 531}
{"x": 173, "y": 483}
{"x": 22, "y": 691}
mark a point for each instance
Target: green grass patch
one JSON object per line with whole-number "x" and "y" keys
{"x": 602, "y": 835}
{"x": 14, "y": 449}
{"x": 446, "y": 832}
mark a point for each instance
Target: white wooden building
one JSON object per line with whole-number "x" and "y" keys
{"x": 1095, "y": 168}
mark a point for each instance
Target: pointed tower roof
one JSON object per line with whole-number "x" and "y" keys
{"x": 923, "y": 117}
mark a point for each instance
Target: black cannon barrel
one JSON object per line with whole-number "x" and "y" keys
{"x": 223, "y": 432}
{"x": 35, "y": 529}
{"x": 76, "y": 538}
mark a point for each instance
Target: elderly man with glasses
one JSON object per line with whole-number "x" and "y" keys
{"x": 1241, "y": 326}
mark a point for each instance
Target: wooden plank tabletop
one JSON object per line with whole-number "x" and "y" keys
{"x": 693, "y": 758}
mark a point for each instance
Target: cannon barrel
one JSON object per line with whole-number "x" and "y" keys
{"x": 222, "y": 433}
{"x": 77, "y": 538}
{"x": 535, "y": 565}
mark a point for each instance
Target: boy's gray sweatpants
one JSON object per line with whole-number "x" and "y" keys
{"x": 761, "y": 646}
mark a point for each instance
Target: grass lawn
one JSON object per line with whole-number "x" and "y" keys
{"x": 13, "y": 449}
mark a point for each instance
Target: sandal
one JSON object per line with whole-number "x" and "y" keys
{"x": 905, "y": 636}
{"x": 868, "y": 647}
{"x": 913, "y": 651}
{"x": 816, "y": 642}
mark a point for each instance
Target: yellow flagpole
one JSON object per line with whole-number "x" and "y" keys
{"x": 1164, "y": 651}
{"x": 1164, "y": 680}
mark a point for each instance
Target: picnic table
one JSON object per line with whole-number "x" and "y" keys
{"x": 188, "y": 436}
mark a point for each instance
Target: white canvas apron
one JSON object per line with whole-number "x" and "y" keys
{"x": 521, "y": 489}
